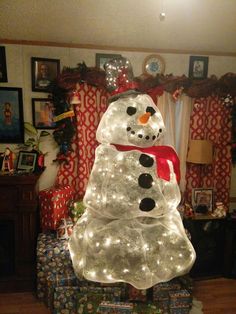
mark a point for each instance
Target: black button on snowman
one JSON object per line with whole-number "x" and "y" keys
{"x": 131, "y": 230}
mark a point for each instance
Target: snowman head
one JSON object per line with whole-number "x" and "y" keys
{"x": 133, "y": 120}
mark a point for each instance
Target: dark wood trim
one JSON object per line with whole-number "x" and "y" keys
{"x": 113, "y": 48}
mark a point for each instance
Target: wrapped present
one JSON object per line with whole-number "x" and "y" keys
{"x": 110, "y": 293}
{"x": 88, "y": 302}
{"x": 65, "y": 300}
{"x": 163, "y": 303}
{"x": 115, "y": 307}
{"x": 58, "y": 280}
{"x": 186, "y": 283}
{"x": 90, "y": 295}
{"x": 65, "y": 228}
{"x": 180, "y": 298}
{"x": 54, "y": 205}
{"x": 136, "y": 294}
{"x": 179, "y": 310}
{"x": 53, "y": 257}
{"x": 162, "y": 289}
{"x": 143, "y": 308}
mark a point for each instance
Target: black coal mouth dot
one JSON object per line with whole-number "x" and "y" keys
{"x": 147, "y": 137}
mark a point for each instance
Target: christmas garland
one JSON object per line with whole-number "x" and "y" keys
{"x": 64, "y": 89}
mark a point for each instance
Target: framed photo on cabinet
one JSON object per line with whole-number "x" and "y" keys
{"x": 26, "y": 161}
{"x": 202, "y": 200}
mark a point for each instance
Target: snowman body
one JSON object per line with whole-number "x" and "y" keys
{"x": 131, "y": 230}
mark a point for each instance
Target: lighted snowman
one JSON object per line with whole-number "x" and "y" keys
{"x": 131, "y": 230}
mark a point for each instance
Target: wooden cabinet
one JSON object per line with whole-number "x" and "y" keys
{"x": 19, "y": 221}
{"x": 230, "y": 249}
{"x": 208, "y": 239}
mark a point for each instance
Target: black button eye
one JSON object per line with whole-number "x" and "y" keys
{"x": 131, "y": 111}
{"x": 151, "y": 110}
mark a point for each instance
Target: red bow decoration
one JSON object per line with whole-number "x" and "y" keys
{"x": 162, "y": 155}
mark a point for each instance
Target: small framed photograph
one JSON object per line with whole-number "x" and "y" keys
{"x": 11, "y": 117}
{"x": 198, "y": 67}
{"x": 43, "y": 113}
{"x": 26, "y": 161}
{"x": 3, "y": 65}
{"x": 44, "y": 72}
{"x": 202, "y": 200}
{"x": 102, "y": 58}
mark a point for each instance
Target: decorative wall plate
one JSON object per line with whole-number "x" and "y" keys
{"x": 153, "y": 65}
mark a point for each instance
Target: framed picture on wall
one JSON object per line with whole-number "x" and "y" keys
{"x": 202, "y": 200}
{"x": 198, "y": 67}
{"x": 11, "y": 115}
{"x": 102, "y": 58}
{"x": 44, "y": 72}
{"x": 3, "y": 65}
{"x": 43, "y": 113}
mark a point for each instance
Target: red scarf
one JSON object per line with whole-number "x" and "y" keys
{"x": 162, "y": 154}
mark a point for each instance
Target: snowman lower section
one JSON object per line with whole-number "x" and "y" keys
{"x": 141, "y": 251}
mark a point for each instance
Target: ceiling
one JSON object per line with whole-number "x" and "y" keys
{"x": 189, "y": 25}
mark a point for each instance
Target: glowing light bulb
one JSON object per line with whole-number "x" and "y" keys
{"x": 107, "y": 241}
{"x": 90, "y": 234}
{"x": 92, "y": 273}
{"x": 109, "y": 277}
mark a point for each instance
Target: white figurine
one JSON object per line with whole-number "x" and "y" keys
{"x": 8, "y": 160}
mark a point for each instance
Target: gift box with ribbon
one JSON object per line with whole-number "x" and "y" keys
{"x": 54, "y": 205}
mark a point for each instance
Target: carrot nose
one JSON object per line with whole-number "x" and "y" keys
{"x": 143, "y": 119}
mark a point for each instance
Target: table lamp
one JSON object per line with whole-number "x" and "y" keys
{"x": 200, "y": 152}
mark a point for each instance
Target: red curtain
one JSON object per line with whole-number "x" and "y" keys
{"x": 80, "y": 161}
{"x": 211, "y": 120}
